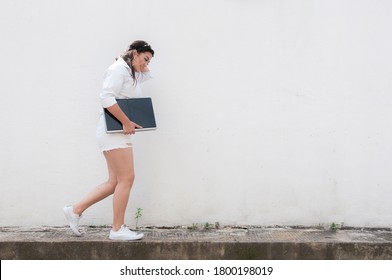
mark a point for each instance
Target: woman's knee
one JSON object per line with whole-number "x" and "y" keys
{"x": 126, "y": 179}
{"x": 112, "y": 183}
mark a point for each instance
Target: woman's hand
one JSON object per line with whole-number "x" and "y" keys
{"x": 144, "y": 68}
{"x": 141, "y": 68}
{"x": 129, "y": 127}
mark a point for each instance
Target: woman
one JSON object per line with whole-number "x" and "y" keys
{"x": 121, "y": 80}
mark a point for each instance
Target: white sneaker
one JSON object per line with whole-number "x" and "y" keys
{"x": 73, "y": 219}
{"x": 125, "y": 234}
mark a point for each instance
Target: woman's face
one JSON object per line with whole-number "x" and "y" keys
{"x": 141, "y": 61}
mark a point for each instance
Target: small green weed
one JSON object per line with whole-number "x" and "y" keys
{"x": 335, "y": 227}
{"x": 194, "y": 226}
{"x": 208, "y": 226}
{"x": 138, "y": 215}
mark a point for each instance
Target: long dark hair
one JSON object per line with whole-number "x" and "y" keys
{"x": 141, "y": 47}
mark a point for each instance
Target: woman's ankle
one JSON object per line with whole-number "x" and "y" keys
{"x": 77, "y": 210}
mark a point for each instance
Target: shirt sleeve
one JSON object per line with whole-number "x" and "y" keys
{"x": 143, "y": 76}
{"x": 112, "y": 84}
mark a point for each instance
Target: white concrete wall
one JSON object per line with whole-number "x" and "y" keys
{"x": 269, "y": 112}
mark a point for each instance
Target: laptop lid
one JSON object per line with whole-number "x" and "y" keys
{"x": 138, "y": 110}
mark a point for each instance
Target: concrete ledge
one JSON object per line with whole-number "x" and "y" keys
{"x": 180, "y": 243}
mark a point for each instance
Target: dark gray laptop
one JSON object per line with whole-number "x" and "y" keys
{"x": 138, "y": 110}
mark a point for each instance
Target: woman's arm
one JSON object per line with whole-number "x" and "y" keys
{"x": 128, "y": 126}
{"x": 113, "y": 82}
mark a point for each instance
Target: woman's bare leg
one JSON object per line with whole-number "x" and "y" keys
{"x": 98, "y": 193}
{"x": 121, "y": 162}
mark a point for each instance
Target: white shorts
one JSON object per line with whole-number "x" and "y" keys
{"x": 107, "y": 141}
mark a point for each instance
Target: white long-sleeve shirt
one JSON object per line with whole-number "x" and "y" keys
{"x": 118, "y": 83}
